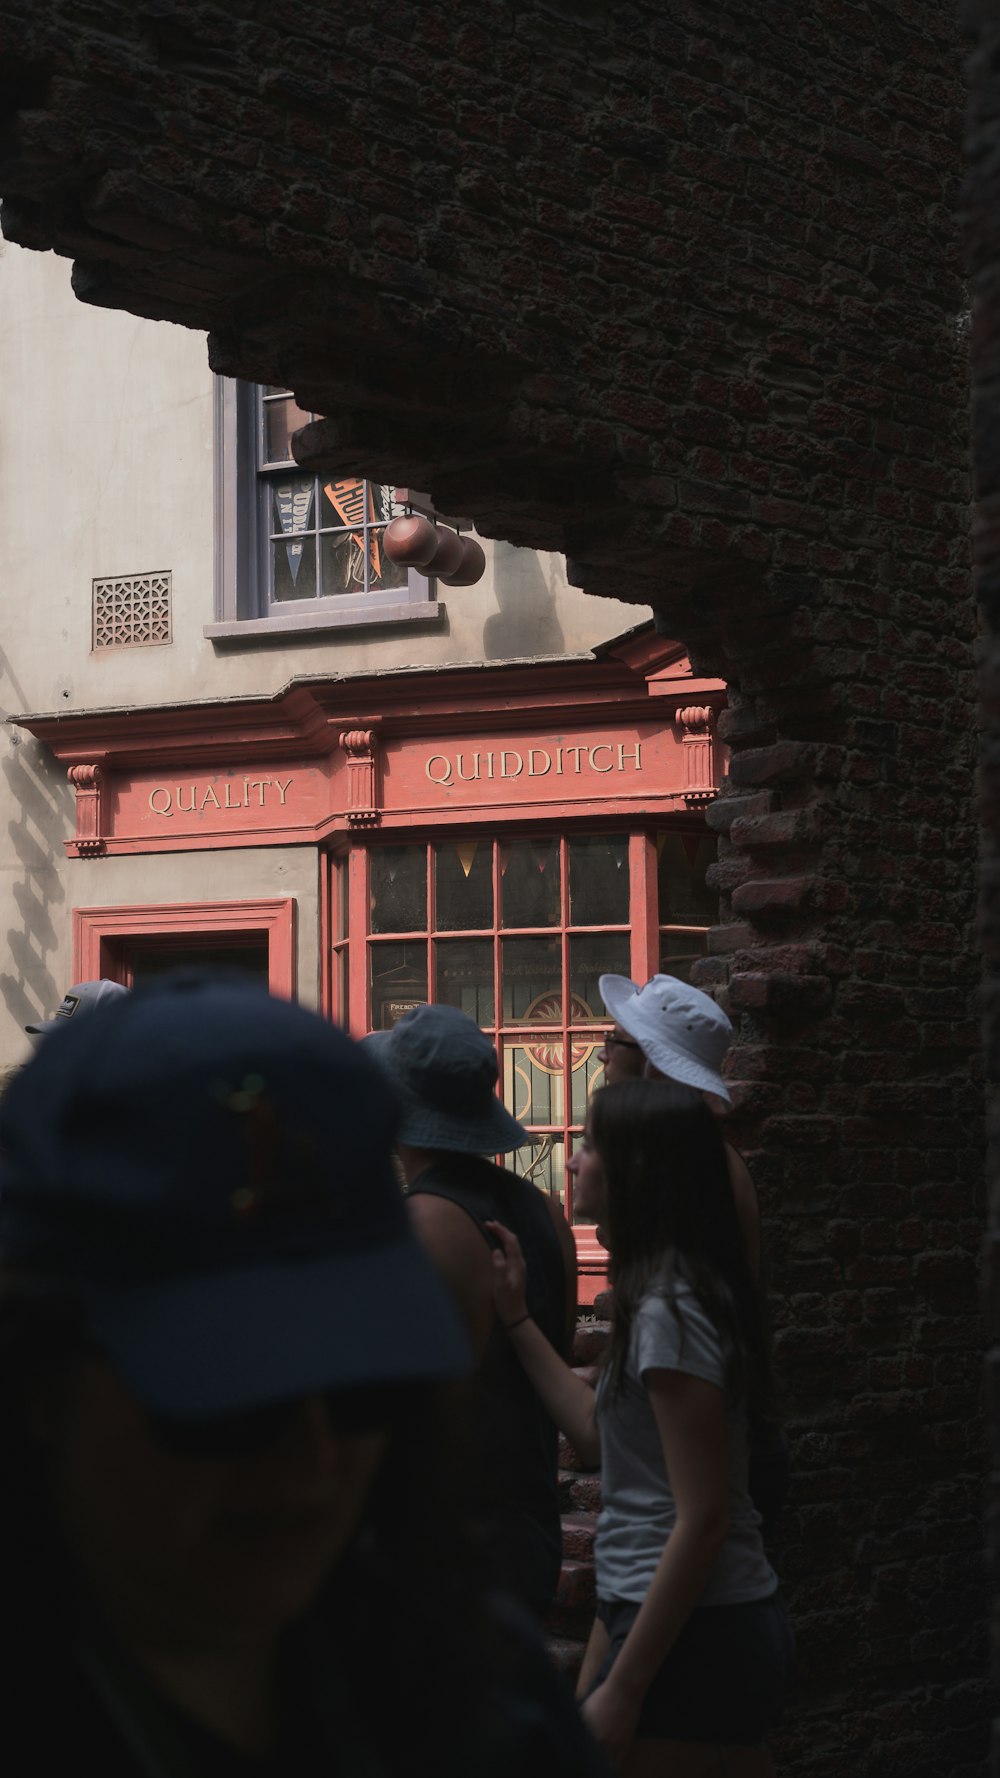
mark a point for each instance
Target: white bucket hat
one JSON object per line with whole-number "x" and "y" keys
{"x": 679, "y": 1029}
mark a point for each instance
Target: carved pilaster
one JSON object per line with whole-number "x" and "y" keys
{"x": 698, "y": 738}
{"x": 361, "y": 748}
{"x": 87, "y": 781}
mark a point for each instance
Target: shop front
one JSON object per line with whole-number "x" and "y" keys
{"x": 492, "y": 838}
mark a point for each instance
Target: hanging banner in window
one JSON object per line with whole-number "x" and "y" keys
{"x": 294, "y": 501}
{"x": 354, "y": 502}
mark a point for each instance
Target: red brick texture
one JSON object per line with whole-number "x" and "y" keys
{"x": 981, "y": 219}
{"x": 673, "y": 288}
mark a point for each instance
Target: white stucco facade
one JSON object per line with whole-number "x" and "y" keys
{"x": 106, "y": 469}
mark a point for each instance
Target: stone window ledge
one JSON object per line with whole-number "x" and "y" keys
{"x": 285, "y": 629}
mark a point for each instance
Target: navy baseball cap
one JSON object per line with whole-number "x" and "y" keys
{"x": 210, "y": 1169}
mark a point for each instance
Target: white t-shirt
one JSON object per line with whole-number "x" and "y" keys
{"x": 638, "y": 1510}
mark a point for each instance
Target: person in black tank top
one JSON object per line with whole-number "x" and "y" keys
{"x": 445, "y": 1071}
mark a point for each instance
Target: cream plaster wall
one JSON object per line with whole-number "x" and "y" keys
{"x": 257, "y": 873}
{"x": 106, "y": 468}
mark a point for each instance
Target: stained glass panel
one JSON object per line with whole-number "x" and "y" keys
{"x": 532, "y": 981}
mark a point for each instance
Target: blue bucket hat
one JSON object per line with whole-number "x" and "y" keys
{"x": 210, "y": 1169}
{"x": 444, "y": 1070}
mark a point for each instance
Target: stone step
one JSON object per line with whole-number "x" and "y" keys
{"x": 578, "y": 1532}
{"x": 579, "y": 1493}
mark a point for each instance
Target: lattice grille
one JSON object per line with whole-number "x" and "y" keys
{"x": 132, "y": 612}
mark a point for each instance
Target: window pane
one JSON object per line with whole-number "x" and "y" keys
{"x": 533, "y": 1082}
{"x": 544, "y": 1163}
{"x": 383, "y": 573}
{"x": 678, "y": 951}
{"x": 383, "y": 503}
{"x": 586, "y": 1078}
{"x": 464, "y": 885}
{"x": 529, "y": 882}
{"x": 343, "y": 563}
{"x": 532, "y": 981}
{"x": 346, "y": 505}
{"x": 593, "y": 954}
{"x": 294, "y": 568}
{"x": 282, "y": 417}
{"x": 598, "y": 881}
{"x": 463, "y": 976}
{"x": 342, "y": 980}
{"x": 292, "y": 500}
{"x": 398, "y": 885}
{"x": 341, "y": 903}
{"x": 398, "y": 981}
{"x": 685, "y": 898}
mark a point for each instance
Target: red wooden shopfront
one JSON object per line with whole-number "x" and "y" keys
{"x": 496, "y": 838}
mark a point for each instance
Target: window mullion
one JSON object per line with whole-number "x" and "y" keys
{"x": 431, "y": 925}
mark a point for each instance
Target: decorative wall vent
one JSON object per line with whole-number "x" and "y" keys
{"x": 132, "y": 611}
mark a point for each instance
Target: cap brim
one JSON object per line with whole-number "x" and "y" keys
{"x": 217, "y": 1343}
{"x": 46, "y": 1025}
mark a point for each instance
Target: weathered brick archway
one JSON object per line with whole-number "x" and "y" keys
{"x": 673, "y": 289}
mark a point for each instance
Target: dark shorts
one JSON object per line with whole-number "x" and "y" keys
{"x": 725, "y": 1678}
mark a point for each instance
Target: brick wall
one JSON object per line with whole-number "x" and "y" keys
{"x": 981, "y": 210}
{"x": 673, "y": 288}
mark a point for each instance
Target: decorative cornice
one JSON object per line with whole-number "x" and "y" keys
{"x": 359, "y": 744}
{"x": 306, "y": 719}
{"x": 697, "y": 725}
{"x": 87, "y": 780}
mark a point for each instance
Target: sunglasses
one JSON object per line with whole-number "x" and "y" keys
{"x": 624, "y": 1043}
{"x": 352, "y": 1413}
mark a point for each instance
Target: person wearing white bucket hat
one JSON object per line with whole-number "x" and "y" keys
{"x": 671, "y": 1029}
{"x": 667, "y": 1027}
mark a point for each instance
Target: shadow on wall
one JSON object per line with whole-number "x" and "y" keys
{"x": 41, "y": 810}
{"x": 526, "y": 623}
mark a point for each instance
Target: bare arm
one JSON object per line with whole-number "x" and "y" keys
{"x": 570, "y": 1401}
{"x": 691, "y": 1417}
{"x": 454, "y": 1242}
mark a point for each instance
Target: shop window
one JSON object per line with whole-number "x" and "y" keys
{"x": 297, "y": 551}
{"x": 687, "y": 905}
{"x": 516, "y": 932}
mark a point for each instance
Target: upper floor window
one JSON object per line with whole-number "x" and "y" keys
{"x": 297, "y": 551}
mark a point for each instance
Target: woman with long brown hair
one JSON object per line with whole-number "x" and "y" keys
{"x": 687, "y": 1664}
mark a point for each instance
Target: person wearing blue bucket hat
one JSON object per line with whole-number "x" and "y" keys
{"x": 219, "y": 1344}
{"x": 444, "y": 1071}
